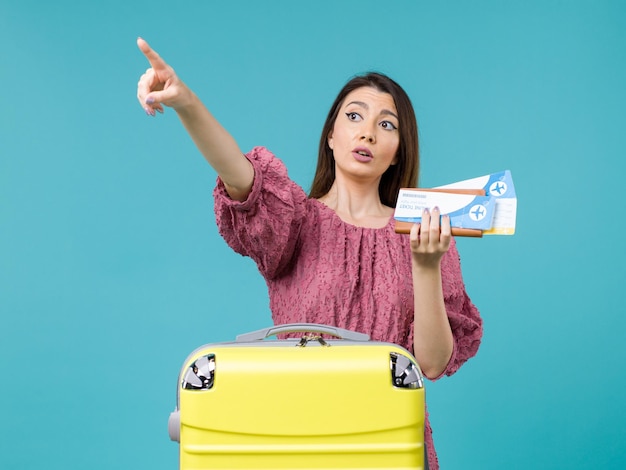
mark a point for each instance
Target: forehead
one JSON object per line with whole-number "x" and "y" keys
{"x": 372, "y": 98}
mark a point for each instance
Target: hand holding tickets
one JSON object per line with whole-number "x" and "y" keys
{"x": 484, "y": 205}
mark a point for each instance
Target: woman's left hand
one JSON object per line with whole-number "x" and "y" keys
{"x": 430, "y": 239}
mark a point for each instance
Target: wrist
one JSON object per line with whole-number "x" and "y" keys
{"x": 187, "y": 102}
{"x": 425, "y": 264}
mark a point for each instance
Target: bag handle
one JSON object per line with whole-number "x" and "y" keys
{"x": 301, "y": 327}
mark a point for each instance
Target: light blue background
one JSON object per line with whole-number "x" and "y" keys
{"x": 112, "y": 271}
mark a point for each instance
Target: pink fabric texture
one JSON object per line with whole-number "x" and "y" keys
{"x": 320, "y": 269}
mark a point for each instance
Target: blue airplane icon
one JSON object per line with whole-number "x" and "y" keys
{"x": 478, "y": 212}
{"x": 498, "y": 188}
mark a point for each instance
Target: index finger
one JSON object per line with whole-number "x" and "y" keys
{"x": 155, "y": 59}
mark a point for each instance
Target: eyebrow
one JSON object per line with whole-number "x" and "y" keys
{"x": 385, "y": 112}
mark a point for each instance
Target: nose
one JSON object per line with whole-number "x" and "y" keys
{"x": 368, "y": 136}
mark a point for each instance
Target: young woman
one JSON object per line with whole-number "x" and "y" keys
{"x": 333, "y": 257}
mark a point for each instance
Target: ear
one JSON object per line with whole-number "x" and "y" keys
{"x": 395, "y": 160}
{"x": 330, "y": 140}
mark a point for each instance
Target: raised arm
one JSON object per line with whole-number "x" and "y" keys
{"x": 160, "y": 86}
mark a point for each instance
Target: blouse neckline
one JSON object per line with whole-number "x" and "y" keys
{"x": 335, "y": 216}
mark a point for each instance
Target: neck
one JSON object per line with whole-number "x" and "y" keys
{"x": 357, "y": 204}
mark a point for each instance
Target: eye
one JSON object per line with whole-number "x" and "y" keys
{"x": 356, "y": 117}
{"x": 388, "y": 125}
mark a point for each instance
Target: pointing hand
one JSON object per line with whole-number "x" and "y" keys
{"x": 159, "y": 85}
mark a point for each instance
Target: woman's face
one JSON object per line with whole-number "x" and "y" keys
{"x": 365, "y": 136}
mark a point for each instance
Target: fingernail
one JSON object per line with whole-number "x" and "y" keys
{"x": 149, "y": 111}
{"x": 436, "y": 208}
{"x": 149, "y": 100}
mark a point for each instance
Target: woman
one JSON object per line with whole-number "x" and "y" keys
{"x": 333, "y": 257}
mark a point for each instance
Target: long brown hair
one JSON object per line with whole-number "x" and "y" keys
{"x": 405, "y": 173}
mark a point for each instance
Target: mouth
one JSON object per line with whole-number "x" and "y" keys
{"x": 362, "y": 154}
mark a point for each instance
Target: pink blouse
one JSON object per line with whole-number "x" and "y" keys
{"x": 320, "y": 269}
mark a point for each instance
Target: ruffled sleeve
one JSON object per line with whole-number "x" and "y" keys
{"x": 465, "y": 320}
{"x": 265, "y": 226}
